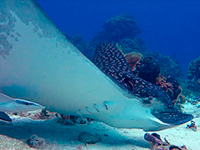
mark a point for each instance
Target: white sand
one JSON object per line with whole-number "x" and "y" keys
{"x": 66, "y": 137}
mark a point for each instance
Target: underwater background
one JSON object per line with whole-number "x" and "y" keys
{"x": 170, "y": 27}
{"x": 158, "y": 39}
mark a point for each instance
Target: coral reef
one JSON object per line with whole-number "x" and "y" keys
{"x": 122, "y": 30}
{"x": 81, "y": 45}
{"x": 193, "y": 85}
{"x": 189, "y": 101}
{"x": 191, "y": 91}
{"x": 190, "y": 88}
{"x": 132, "y": 45}
{"x": 119, "y": 27}
{"x": 148, "y": 69}
{"x": 162, "y": 83}
{"x": 193, "y": 72}
{"x": 132, "y": 59}
{"x": 170, "y": 86}
{"x": 174, "y": 90}
{"x": 116, "y": 29}
{"x": 168, "y": 67}
{"x": 158, "y": 144}
{"x": 78, "y": 41}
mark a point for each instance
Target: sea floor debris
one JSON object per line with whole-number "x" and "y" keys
{"x": 37, "y": 142}
{"x": 158, "y": 144}
{"x": 61, "y": 136}
{"x": 192, "y": 126}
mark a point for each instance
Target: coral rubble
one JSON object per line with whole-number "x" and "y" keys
{"x": 158, "y": 144}
{"x": 192, "y": 126}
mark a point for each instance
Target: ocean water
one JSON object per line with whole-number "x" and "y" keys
{"x": 168, "y": 27}
{"x": 112, "y": 102}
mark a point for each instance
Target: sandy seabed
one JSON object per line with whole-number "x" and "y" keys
{"x": 13, "y": 136}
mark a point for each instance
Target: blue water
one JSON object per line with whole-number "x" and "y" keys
{"x": 168, "y": 27}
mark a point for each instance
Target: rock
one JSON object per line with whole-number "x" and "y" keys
{"x": 88, "y": 138}
{"x": 37, "y": 142}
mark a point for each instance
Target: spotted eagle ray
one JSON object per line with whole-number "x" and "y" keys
{"x": 39, "y": 64}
